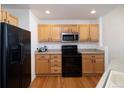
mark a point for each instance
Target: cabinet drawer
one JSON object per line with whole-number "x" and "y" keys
{"x": 56, "y": 56}
{"x": 93, "y": 56}
{"x": 86, "y": 56}
{"x": 55, "y": 70}
{"x": 40, "y": 57}
{"x": 55, "y": 60}
{"x": 98, "y": 56}
{"x": 56, "y": 64}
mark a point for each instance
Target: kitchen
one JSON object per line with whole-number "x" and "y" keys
{"x": 65, "y": 49}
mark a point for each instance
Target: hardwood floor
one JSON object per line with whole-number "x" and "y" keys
{"x": 62, "y": 82}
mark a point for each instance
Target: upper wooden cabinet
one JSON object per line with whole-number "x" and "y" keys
{"x": 94, "y": 32}
{"x": 84, "y": 33}
{"x": 74, "y": 28}
{"x": 52, "y": 32}
{"x": 89, "y": 32}
{"x": 12, "y": 19}
{"x": 44, "y": 33}
{"x": 3, "y": 15}
{"x": 66, "y": 28}
{"x": 55, "y": 32}
{"x": 69, "y": 28}
{"x": 8, "y": 18}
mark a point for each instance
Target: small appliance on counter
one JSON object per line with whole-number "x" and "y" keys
{"x": 42, "y": 49}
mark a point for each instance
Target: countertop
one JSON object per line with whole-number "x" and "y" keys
{"x": 116, "y": 65}
{"x": 83, "y": 51}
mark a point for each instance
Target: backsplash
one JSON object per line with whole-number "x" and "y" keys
{"x": 58, "y": 45}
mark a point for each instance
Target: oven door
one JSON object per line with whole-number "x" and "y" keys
{"x": 71, "y": 66}
{"x": 68, "y": 37}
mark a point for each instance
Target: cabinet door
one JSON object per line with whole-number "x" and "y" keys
{"x": 94, "y": 32}
{"x": 66, "y": 28}
{"x": 12, "y": 20}
{"x": 98, "y": 65}
{"x": 84, "y": 32}
{"x": 0, "y": 13}
{"x": 42, "y": 65}
{"x": 56, "y": 32}
{"x": 3, "y": 16}
{"x": 74, "y": 28}
{"x": 44, "y": 33}
{"x": 87, "y": 64}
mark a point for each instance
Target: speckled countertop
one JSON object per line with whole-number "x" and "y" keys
{"x": 83, "y": 51}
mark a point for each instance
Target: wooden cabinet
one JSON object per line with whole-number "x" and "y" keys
{"x": 56, "y": 64}
{"x": 84, "y": 33}
{"x": 3, "y": 16}
{"x": 42, "y": 64}
{"x": 52, "y": 33}
{"x": 66, "y": 28}
{"x": 44, "y": 33}
{"x": 8, "y": 18}
{"x": 93, "y": 63}
{"x": 56, "y": 33}
{"x": 94, "y": 32}
{"x": 74, "y": 28}
{"x": 0, "y": 13}
{"x": 47, "y": 64}
{"x": 87, "y": 64}
{"x": 70, "y": 28}
{"x": 12, "y": 19}
{"x": 89, "y": 32}
{"x": 49, "y": 33}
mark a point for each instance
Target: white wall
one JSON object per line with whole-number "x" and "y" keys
{"x": 113, "y": 33}
{"x": 80, "y": 44}
{"x": 22, "y": 15}
{"x": 33, "y": 28}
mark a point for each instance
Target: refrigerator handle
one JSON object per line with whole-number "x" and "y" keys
{"x": 21, "y": 52}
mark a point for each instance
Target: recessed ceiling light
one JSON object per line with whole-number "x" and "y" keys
{"x": 93, "y": 11}
{"x": 47, "y": 12}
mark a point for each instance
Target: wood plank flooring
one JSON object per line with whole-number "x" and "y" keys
{"x": 65, "y": 82}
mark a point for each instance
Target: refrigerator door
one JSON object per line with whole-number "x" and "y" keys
{"x": 27, "y": 58}
{"x": 24, "y": 39}
{"x": 12, "y": 57}
{"x": 16, "y": 59}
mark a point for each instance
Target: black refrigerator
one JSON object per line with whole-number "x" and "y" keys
{"x": 15, "y": 57}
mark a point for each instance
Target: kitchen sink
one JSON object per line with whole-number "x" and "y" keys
{"x": 115, "y": 80}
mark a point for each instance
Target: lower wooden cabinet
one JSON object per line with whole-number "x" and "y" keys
{"x": 47, "y": 64}
{"x": 42, "y": 64}
{"x": 56, "y": 64}
{"x": 92, "y": 63}
{"x": 51, "y": 64}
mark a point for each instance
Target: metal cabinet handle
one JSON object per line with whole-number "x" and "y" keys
{"x": 55, "y": 65}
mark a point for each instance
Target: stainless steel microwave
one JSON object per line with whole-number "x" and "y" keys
{"x": 70, "y": 37}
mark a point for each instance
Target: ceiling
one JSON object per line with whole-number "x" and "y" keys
{"x": 65, "y": 11}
